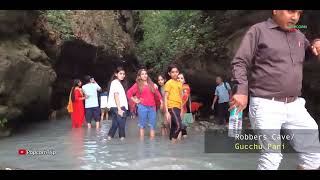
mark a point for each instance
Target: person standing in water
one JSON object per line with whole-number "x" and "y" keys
{"x": 145, "y": 94}
{"x": 185, "y": 102}
{"x": 118, "y": 103}
{"x": 222, "y": 94}
{"x": 161, "y": 121}
{"x": 173, "y": 102}
{"x": 77, "y": 97}
{"x": 104, "y": 103}
{"x": 91, "y": 103}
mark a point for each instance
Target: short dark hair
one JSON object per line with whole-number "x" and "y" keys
{"x": 220, "y": 77}
{"x": 87, "y": 78}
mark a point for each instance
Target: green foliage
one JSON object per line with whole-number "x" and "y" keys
{"x": 168, "y": 33}
{"x": 58, "y": 20}
{"x": 3, "y": 121}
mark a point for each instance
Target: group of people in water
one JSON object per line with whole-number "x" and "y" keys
{"x": 164, "y": 105}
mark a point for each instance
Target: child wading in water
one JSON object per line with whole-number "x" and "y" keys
{"x": 173, "y": 102}
{"x": 161, "y": 121}
{"x": 118, "y": 104}
{"x": 146, "y": 95}
{"x": 104, "y": 103}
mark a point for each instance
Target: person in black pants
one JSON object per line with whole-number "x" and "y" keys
{"x": 222, "y": 94}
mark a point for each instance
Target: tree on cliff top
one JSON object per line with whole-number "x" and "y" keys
{"x": 168, "y": 34}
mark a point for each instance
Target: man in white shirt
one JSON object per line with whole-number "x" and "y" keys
{"x": 91, "y": 103}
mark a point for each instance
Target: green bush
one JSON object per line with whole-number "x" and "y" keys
{"x": 3, "y": 121}
{"x": 168, "y": 33}
{"x": 58, "y": 20}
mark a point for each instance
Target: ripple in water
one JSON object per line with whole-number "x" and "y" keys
{"x": 84, "y": 148}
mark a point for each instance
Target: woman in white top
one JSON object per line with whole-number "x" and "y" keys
{"x": 117, "y": 103}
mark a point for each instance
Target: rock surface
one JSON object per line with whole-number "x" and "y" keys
{"x": 26, "y": 76}
{"x": 37, "y": 64}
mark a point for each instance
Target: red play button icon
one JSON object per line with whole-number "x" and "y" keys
{"x": 22, "y": 152}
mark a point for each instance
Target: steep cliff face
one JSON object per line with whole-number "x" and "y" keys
{"x": 42, "y": 51}
{"x": 86, "y": 43}
{"x": 231, "y": 25}
{"x": 25, "y": 72}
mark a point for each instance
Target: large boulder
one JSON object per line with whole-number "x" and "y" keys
{"x": 25, "y": 72}
{"x": 25, "y": 78}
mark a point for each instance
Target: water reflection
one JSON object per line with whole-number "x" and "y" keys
{"x": 76, "y": 148}
{"x": 84, "y": 148}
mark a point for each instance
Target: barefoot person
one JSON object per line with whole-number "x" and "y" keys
{"x": 90, "y": 90}
{"x": 117, "y": 103}
{"x": 275, "y": 53}
{"x": 145, "y": 94}
{"x": 77, "y": 97}
{"x": 161, "y": 120}
{"x": 173, "y": 102}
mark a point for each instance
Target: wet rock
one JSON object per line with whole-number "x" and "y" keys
{"x": 5, "y": 132}
{"x": 33, "y": 53}
{"x": 205, "y": 125}
{"x": 25, "y": 72}
{"x": 3, "y": 110}
{"x": 197, "y": 128}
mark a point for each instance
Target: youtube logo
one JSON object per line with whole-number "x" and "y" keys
{"x": 22, "y": 151}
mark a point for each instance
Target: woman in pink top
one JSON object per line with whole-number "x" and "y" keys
{"x": 147, "y": 97}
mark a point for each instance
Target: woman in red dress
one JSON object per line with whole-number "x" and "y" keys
{"x": 77, "y": 97}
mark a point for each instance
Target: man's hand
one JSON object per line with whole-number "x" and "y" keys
{"x": 239, "y": 101}
{"x": 212, "y": 107}
{"x": 316, "y": 48}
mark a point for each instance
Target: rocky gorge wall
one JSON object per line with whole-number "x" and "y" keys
{"x": 38, "y": 62}
{"x": 26, "y": 75}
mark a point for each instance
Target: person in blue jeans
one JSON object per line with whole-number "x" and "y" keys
{"x": 146, "y": 95}
{"x": 118, "y": 104}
